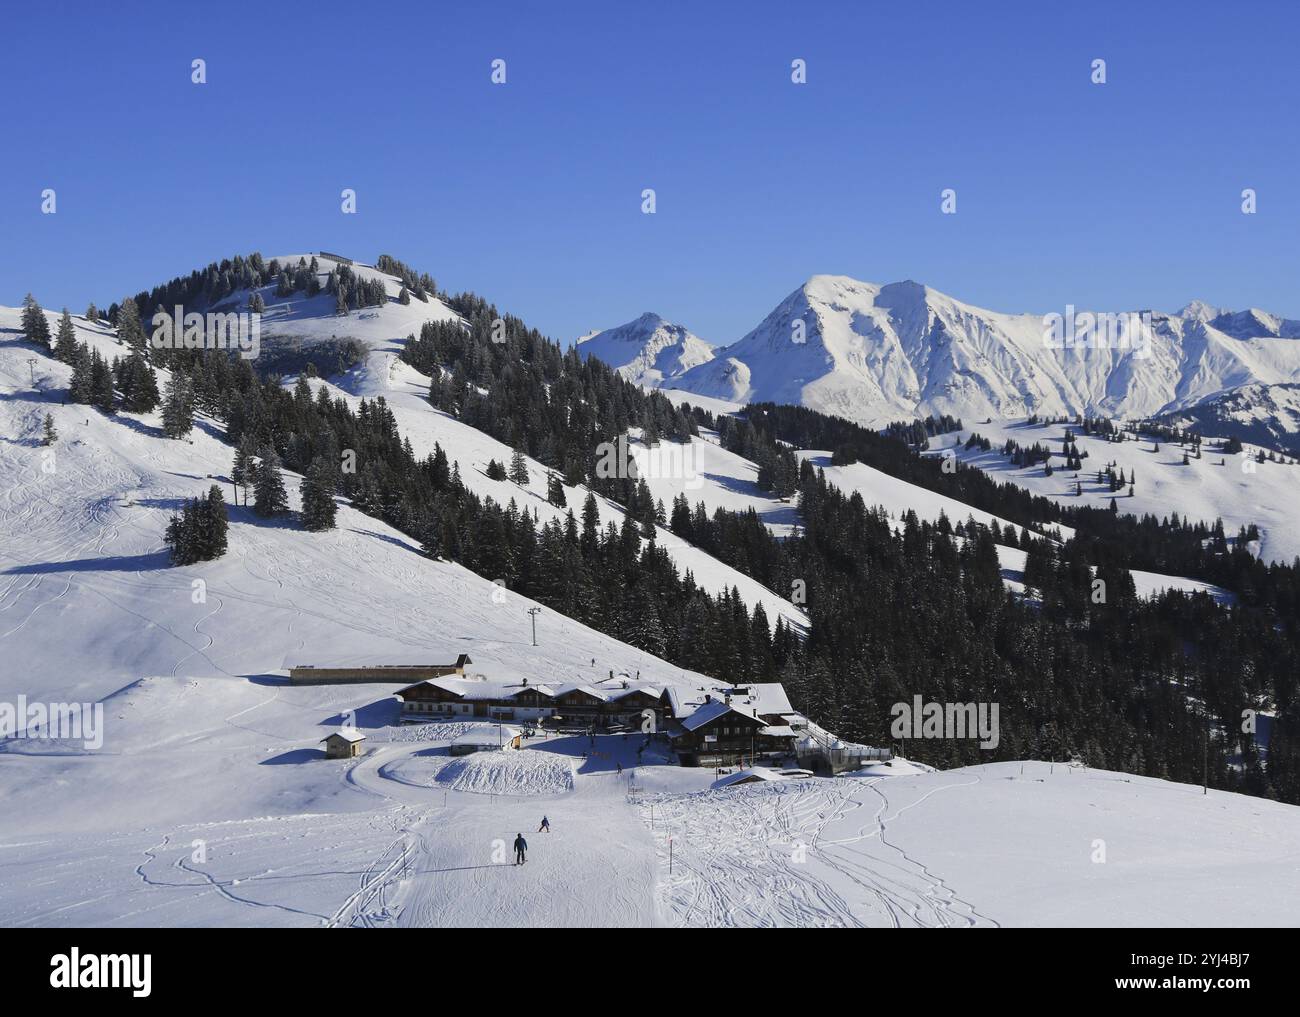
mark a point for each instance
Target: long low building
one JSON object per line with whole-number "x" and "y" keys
{"x": 309, "y": 674}
{"x": 705, "y": 725}
{"x": 599, "y": 704}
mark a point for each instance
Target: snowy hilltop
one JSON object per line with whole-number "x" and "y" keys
{"x": 874, "y": 353}
{"x": 648, "y": 350}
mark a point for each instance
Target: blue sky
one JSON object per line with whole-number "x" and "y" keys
{"x": 1117, "y": 196}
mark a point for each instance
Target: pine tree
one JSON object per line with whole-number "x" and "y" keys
{"x": 495, "y": 471}
{"x": 269, "y": 498}
{"x": 92, "y": 312}
{"x": 318, "y": 507}
{"x": 82, "y": 390}
{"x": 51, "y": 435}
{"x": 129, "y": 330}
{"x": 179, "y": 536}
{"x": 555, "y": 491}
{"x": 178, "y": 406}
{"x": 102, "y": 396}
{"x": 404, "y": 297}
{"x": 36, "y": 327}
{"x": 218, "y": 523}
{"x": 65, "y": 342}
{"x": 243, "y": 472}
{"x": 139, "y": 384}
{"x": 518, "y": 468}
{"x": 199, "y": 533}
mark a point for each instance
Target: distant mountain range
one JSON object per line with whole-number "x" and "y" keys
{"x": 874, "y": 353}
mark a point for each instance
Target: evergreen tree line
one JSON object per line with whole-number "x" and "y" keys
{"x": 509, "y": 381}
{"x": 1167, "y": 544}
{"x": 918, "y": 432}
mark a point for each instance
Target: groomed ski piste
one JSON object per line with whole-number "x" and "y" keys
{"x": 210, "y": 802}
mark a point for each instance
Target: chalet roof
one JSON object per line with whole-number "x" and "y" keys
{"x": 649, "y": 690}
{"x": 545, "y": 690}
{"x": 588, "y": 689}
{"x": 777, "y": 731}
{"x": 768, "y": 698}
{"x": 682, "y": 702}
{"x": 347, "y": 735}
{"x": 711, "y": 711}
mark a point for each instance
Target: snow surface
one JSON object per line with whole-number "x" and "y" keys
{"x": 1004, "y": 844}
{"x": 1239, "y": 492}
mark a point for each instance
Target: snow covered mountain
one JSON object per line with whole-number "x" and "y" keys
{"x": 874, "y": 353}
{"x": 1267, "y": 415}
{"x": 210, "y": 803}
{"x": 647, "y": 351}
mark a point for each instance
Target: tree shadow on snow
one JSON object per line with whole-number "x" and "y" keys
{"x": 155, "y": 560}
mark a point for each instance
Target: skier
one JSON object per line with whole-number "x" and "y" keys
{"x": 546, "y": 825}
{"x": 521, "y": 846}
{"x": 620, "y": 769}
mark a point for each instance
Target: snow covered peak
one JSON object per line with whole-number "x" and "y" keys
{"x": 648, "y": 350}
{"x": 1253, "y": 323}
{"x": 874, "y": 353}
{"x": 1199, "y": 310}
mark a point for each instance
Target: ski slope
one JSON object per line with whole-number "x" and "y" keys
{"x": 1004, "y": 844}
{"x": 1230, "y": 488}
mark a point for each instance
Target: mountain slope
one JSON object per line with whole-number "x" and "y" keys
{"x": 648, "y": 350}
{"x": 875, "y": 353}
{"x": 1267, "y": 415}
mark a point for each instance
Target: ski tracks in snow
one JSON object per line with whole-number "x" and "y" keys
{"x": 778, "y": 855}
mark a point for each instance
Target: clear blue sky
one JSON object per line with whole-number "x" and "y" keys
{"x": 1117, "y": 196}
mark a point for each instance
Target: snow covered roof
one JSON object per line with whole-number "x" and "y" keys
{"x": 751, "y": 776}
{"x": 545, "y": 690}
{"x": 348, "y": 735}
{"x": 649, "y": 690}
{"x": 682, "y": 702}
{"x": 588, "y": 689}
{"x": 494, "y": 735}
{"x": 713, "y": 710}
{"x": 777, "y": 731}
{"x": 476, "y": 688}
{"x": 768, "y": 698}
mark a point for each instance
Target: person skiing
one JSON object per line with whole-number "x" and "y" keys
{"x": 546, "y": 825}
{"x": 521, "y": 846}
{"x": 620, "y": 769}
